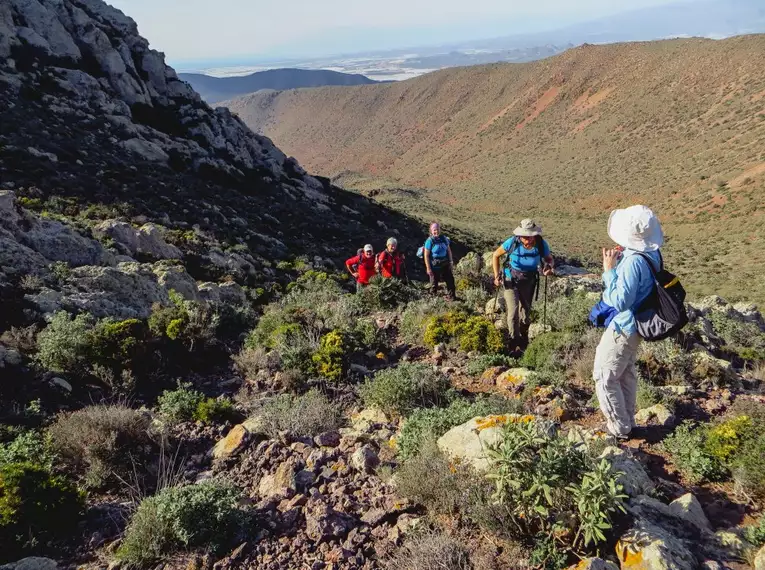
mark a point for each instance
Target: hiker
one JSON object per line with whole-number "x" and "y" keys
{"x": 628, "y": 281}
{"x": 439, "y": 261}
{"x": 526, "y": 251}
{"x": 362, "y": 266}
{"x": 391, "y": 262}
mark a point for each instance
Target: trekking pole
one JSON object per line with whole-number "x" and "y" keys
{"x": 544, "y": 312}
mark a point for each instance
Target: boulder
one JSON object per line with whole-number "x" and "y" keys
{"x": 650, "y": 547}
{"x": 470, "y": 264}
{"x": 237, "y": 439}
{"x": 495, "y": 305}
{"x": 658, "y": 415}
{"x": 327, "y": 439}
{"x": 634, "y": 478}
{"x": 467, "y": 442}
{"x": 31, "y": 563}
{"x": 282, "y": 483}
{"x": 513, "y": 380}
{"x": 175, "y": 277}
{"x": 9, "y": 357}
{"x": 759, "y": 559}
{"x": 365, "y": 459}
{"x": 147, "y": 239}
{"x": 689, "y": 508}
{"x": 594, "y": 564}
{"x": 58, "y": 242}
{"x": 230, "y": 293}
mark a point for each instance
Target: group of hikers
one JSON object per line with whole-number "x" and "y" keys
{"x": 632, "y": 272}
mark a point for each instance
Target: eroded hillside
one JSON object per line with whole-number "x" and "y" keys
{"x": 677, "y": 124}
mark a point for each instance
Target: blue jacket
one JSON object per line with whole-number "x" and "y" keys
{"x": 627, "y": 286}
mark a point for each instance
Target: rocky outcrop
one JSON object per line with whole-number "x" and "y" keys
{"x": 33, "y": 562}
{"x": 147, "y": 239}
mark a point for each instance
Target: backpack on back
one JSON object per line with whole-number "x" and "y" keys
{"x": 439, "y": 239}
{"x": 360, "y": 255}
{"x": 662, "y": 313}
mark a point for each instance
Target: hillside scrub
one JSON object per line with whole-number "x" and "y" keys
{"x": 400, "y": 390}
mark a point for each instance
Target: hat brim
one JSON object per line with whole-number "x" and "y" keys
{"x": 521, "y": 232}
{"x": 619, "y": 231}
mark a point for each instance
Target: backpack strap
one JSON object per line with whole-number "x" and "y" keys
{"x": 513, "y": 246}
{"x": 649, "y": 261}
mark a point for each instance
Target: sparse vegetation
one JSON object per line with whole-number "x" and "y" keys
{"x": 400, "y": 390}
{"x": 307, "y": 415}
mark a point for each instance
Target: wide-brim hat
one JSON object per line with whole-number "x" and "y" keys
{"x": 528, "y": 228}
{"x": 636, "y": 227}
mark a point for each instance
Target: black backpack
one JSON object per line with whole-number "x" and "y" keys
{"x": 662, "y": 314}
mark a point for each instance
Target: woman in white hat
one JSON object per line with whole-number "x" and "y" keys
{"x": 628, "y": 281}
{"x": 526, "y": 252}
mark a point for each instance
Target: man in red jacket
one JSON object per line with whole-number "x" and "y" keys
{"x": 362, "y": 266}
{"x": 390, "y": 261}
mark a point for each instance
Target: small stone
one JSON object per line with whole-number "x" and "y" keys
{"x": 490, "y": 376}
{"x": 373, "y": 517}
{"x": 658, "y": 415}
{"x": 279, "y": 484}
{"x": 365, "y": 459}
{"x": 61, "y": 383}
{"x": 513, "y": 380}
{"x": 328, "y": 439}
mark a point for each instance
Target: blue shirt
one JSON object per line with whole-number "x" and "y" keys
{"x": 523, "y": 259}
{"x": 438, "y": 248}
{"x": 627, "y": 286}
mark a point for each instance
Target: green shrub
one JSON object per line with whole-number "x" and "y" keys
{"x": 180, "y": 404}
{"x": 35, "y": 505}
{"x": 476, "y": 366}
{"x": 211, "y": 410}
{"x": 430, "y": 479}
{"x": 687, "y": 446}
{"x": 755, "y": 534}
{"x": 441, "y": 328}
{"x": 649, "y": 395}
{"x": 725, "y": 440}
{"x": 27, "y": 447}
{"x": 431, "y": 551}
{"x": 547, "y": 554}
{"x": 384, "y": 293}
{"x": 260, "y": 336}
{"x": 102, "y": 443}
{"x": 307, "y": 415}
{"x": 191, "y": 323}
{"x": 331, "y": 360}
{"x": 62, "y": 346}
{"x": 399, "y": 390}
{"x": 542, "y": 479}
{"x": 748, "y": 466}
{"x": 426, "y": 424}
{"x": 417, "y": 315}
{"x": 201, "y": 515}
{"x": 737, "y": 333}
{"x": 542, "y": 350}
{"x": 567, "y": 312}
{"x": 479, "y": 334}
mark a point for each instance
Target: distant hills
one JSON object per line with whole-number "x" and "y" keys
{"x": 216, "y": 89}
{"x": 676, "y": 124}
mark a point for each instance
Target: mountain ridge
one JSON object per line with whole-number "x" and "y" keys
{"x": 677, "y": 124}
{"x": 216, "y": 89}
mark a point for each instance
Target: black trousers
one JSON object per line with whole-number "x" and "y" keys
{"x": 443, "y": 273}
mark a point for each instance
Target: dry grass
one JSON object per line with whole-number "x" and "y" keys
{"x": 677, "y": 124}
{"x": 431, "y": 551}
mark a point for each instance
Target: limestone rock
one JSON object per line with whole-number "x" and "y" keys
{"x": 594, "y": 564}
{"x": 759, "y": 559}
{"x": 467, "y": 442}
{"x": 650, "y": 547}
{"x": 226, "y": 293}
{"x": 634, "y": 478}
{"x": 31, "y": 563}
{"x": 148, "y": 239}
{"x": 365, "y": 459}
{"x": 174, "y": 277}
{"x": 689, "y": 508}
{"x": 282, "y": 483}
{"x": 58, "y": 242}
{"x": 657, "y": 415}
{"x": 514, "y": 379}
{"x": 237, "y": 439}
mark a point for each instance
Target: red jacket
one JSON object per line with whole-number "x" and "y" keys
{"x": 391, "y": 264}
{"x": 365, "y": 267}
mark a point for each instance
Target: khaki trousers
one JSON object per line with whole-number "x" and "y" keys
{"x": 615, "y": 378}
{"x": 518, "y": 303}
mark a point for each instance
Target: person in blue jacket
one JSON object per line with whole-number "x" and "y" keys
{"x": 439, "y": 262}
{"x": 526, "y": 252}
{"x": 627, "y": 281}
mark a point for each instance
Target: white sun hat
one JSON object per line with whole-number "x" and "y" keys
{"x": 636, "y": 227}
{"x": 528, "y": 228}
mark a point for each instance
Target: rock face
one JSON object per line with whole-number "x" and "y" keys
{"x": 31, "y": 563}
{"x": 90, "y": 112}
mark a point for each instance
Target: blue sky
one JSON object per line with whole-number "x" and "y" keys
{"x": 189, "y": 30}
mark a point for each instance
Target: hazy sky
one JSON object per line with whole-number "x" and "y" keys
{"x": 208, "y": 29}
